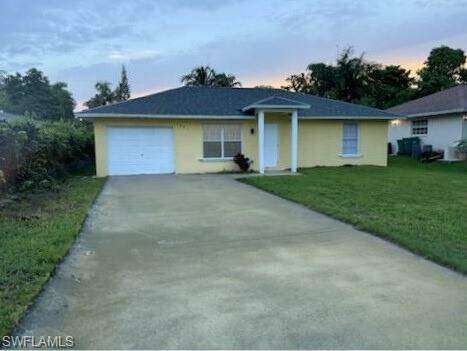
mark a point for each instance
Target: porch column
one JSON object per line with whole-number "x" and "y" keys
{"x": 293, "y": 141}
{"x": 261, "y": 141}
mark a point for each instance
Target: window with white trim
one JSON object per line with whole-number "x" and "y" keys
{"x": 420, "y": 127}
{"x": 350, "y": 138}
{"x": 221, "y": 140}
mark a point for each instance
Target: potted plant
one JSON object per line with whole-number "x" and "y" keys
{"x": 242, "y": 162}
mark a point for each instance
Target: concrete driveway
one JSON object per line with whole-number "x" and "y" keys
{"x": 206, "y": 262}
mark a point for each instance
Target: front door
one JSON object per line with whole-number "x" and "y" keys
{"x": 271, "y": 144}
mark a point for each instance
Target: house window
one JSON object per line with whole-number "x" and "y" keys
{"x": 350, "y": 138}
{"x": 420, "y": 127}
{"x": 221, "y": 141}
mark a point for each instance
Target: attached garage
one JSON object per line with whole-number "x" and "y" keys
{"x": 140, "y": 150}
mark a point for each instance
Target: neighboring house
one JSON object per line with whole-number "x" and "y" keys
{"x": 200, "y": 129}
{"x": 6, "y": 116}
{"x": 438, "y": 119}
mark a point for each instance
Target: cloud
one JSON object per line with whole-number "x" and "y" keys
{"x": 260, "y": 41}
{"x": 118, "y": 55}
{"x": 39, "y": 29}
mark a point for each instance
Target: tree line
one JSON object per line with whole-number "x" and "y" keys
{"x": 351, "y": 78}
{"x": 31, "y": 94}
{"x": 356, "y": 80}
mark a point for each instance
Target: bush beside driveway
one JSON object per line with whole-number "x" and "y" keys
{"x": 35, "y": 154}
{"x": 421, "y": 207}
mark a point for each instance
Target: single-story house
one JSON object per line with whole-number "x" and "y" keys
{"x": 201, "y": 129}
{"x": 439, "y": 119}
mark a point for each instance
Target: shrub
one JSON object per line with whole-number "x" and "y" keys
{"x": 242, "y": 162}
{"x": 35, "y": 154}
{"x": 462, "y": 146}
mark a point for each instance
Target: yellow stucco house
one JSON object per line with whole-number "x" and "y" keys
{"x": 200, "y": 129}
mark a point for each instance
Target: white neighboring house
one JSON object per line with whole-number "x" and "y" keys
{"x": 6, "y": 116}
{"x": 438, "y": 119}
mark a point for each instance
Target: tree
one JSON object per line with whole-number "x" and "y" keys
{"x": 323, "y": 79}
{"x": 3, "y": 96}
{"x": 3, "y": 76}
{"x": 226, "y": 80}
{"x": 463, "y": 76}
{"x": 387, "y": 86}
{"x": 443, "y": 69}
{"x": 199, "y": 76}
{"x": 298, "y": 82}
{"x": 353, "y": 79}
{"x": 122, "y": 92}
{"x": 4, "y": 103}
{"x": 350, "y": 75}
{"x": 33, "y": 94}
{"x": 65, "y": 103}
{"x": 264, "y": 86}
{"x": 207, "y": 76}
{"x": 344, "y": 81}
{"x": 37, "y": 96}
{"x": 104, "y": 95}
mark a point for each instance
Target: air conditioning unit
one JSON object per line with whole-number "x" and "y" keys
{"x": 450, "y": 154}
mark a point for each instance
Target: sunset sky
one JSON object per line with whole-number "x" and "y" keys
{"x": 261, "y": 42}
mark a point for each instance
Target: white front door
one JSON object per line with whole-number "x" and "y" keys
{"x": 271, "y": 144}
{"x": 139, "y": 150}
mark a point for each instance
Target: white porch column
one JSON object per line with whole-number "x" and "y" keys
{"x": 293, "y": 141}
{"x": 261, "y": 141}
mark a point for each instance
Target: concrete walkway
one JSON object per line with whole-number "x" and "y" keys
{"x": 206, "y": 262}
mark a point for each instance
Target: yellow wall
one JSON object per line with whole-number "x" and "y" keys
{"x": 320, "y": 142}
{"x": 188, "y": 143}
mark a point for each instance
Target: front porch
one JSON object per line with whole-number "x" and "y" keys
{"x": 277, "y": 141}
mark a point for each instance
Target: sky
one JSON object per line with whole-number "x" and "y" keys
{"x": 260, "y": 41}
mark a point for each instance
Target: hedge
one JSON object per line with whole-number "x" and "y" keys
{"x": 36, "y": 154}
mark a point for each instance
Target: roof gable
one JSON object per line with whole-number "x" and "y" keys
{"x": 276, "y": 102}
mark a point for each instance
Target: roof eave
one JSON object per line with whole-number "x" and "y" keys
{"x": 239, "y": 117}
{"x": 91, "y": 115}
{"x": 383, "y": 118}
{"x": 436, "y": 113}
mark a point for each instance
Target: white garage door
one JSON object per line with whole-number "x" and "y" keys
{"x": 139, "y": 150}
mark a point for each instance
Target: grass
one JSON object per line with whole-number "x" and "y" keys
{"x": 36, "y": 232}
{"x": 422, "y": 207}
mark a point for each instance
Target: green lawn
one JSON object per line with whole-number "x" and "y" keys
{"x": 36, "y": 231}
{"x": 422, "y": 207}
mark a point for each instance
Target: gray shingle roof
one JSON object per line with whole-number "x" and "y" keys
{"x": 206, "y": 101}
{"x": 446, "y": 101}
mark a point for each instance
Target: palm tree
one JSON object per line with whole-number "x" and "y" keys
{"x": 207, "y": 76}
{"x": 199, "y": 76}
{"x": 351, "y": 75}
{"x": 226, "y": 80}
